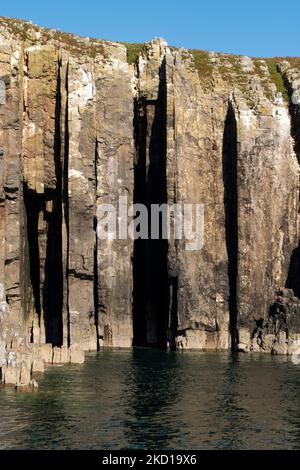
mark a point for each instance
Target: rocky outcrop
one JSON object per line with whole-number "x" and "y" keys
{"x": 83, "y": 123}
{"x": 279, "y": 333}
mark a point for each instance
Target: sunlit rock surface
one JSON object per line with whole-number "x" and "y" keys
{"x": 83, "y": 122}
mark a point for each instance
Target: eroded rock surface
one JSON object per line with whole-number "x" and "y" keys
{"x": 82, "y": 123}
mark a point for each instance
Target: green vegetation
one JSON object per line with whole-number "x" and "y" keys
{"x": 228, "y": 66}
{"x": 261, "y": 70}
{"x": 232, "y": 72}
{"x": 18, "y": 27}
{"x": 276, "y": 77}
{"x": 202, "y": 64}
{"x": 75, "y": 44}
{"x": 133, "y": 51}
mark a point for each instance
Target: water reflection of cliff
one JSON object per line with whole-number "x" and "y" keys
{"x": 154, "y": 385}
{"x": 158, "y": 400}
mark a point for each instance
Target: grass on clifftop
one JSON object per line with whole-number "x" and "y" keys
{"x": 202, "y": 63}
{"x": 227, "y": 65}
{"x": 133, "y": 51}
{"x": 276, "y": 78}
{"x": 18, "y": 27}
{"x": 77, "y": 44}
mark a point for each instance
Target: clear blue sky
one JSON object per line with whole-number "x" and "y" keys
{"x": 258, "y": 27}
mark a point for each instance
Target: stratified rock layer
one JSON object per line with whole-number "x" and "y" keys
{"x": 81, "y": 125}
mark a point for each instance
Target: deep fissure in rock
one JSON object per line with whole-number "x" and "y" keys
{"x": 150, "y": 264}
{"x": 32, "y": 206}
{"x": 293, "y": 278}
{"x": 65, "y": 198}
{"x": 229, "y": 155}
{"x": 53, "y": 285}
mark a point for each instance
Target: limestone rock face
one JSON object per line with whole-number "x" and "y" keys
{"x": 82, "y": 125}
{"x": 267, "y": 171}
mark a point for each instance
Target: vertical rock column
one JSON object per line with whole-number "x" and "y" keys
{"x": 114, "y": 179}
{"x": 267, "y": 182}
{"x": 80, "y": 170}
{"x": 195, "y": 176}
{"x": 11, "y": 276}
{"x": 42, "y": 192}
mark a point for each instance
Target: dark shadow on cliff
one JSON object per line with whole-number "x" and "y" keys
{"x": 229, "y": 155}
{"x": 53, "y": 285}
{"x": 47, "y": 292}
{"x": 294, "y": 111}
{"x": 32, "y": 206}
{"x": 140, "y": 128}
{"x": 150, "y": 264}
{"x": 295, "y": 122}
{"x": 293, "y": 279}
{"x": 65, "y": 197}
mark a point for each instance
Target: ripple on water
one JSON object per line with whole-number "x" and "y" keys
{"x": 145, "y": 399}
